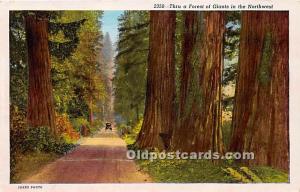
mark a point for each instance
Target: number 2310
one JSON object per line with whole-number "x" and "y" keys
{"x": 159, "y": 6}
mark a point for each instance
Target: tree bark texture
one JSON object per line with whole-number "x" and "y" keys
{"x": 159, "y": 116}
{"x": 199, "y": 127}
{"x": 40, "y": 97}
{"x": 260, "y": 117}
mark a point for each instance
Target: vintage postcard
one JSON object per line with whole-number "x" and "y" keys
{"x": 149, "y": 95}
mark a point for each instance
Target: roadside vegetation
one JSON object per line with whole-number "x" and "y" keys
{"x": 202, "y": 171}
{"x": 59, "y": 93}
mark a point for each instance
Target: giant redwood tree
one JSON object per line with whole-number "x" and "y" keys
{"x": 199, "y": 126}
{"x": 260, "y": 117}
{"x": 40, "y": 107}
{"x": 159, "y": 116}
{"x": 40, "y": 110}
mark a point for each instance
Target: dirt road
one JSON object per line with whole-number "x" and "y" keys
{"x": 98, "y": 159}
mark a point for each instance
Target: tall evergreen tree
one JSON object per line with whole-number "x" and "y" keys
{"x": 199, "y": 127}
{"x": 88, "y": 77}
{"x": 131, "y": 62}
{"x": 40, "y": 110}
{"x": 159, "y": 116}
{"x": 39, "y": 25}
{"x": 107, "y": 50}
{"x": 260, "y": 116}
{"x": 108, "y": 55}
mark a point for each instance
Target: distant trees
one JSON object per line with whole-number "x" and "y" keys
{"x": 159, "y": 113}
{"x": 108, "y": 71}
{"x": 107, "y": 51}
{"x": 260, "y": 119}
{"x": 131, "y": 63}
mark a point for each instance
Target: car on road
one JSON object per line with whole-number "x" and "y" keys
{"x": 108, "y": 126}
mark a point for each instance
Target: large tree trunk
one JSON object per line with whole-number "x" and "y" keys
{"x": 40, "y": 98}
{"x": 260, "y": 117}
{"x": 159, "y": 116}
{"x": 199, "y": 127}
{"x": 91, "y": 116}
{"x": 91, "y": 113}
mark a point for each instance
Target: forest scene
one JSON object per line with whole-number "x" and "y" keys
{"x": 89, "y": 87}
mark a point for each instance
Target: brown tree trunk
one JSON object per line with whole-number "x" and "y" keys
{"x": 260, "y": 117}
{"x": 40, "y": 110}
{"x": 91, "y": 116}
{"x": 159, "y": 116}
{"x": 199, "y": 127}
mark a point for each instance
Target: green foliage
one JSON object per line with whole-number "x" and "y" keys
{"x": 131, "y": 62}
{"x": 18, "y": 60}
{"x": 59, "y": 48}
{"x": 185, "y": 171}
{"x": 40, "y": 139}
{"x": 270, "y": 175}
{"x": 96, "y": 126}
{"x": 18, "y": 54}
{"x": 236, "y": 175}
{"x": 17, "y": 134}
{"x": 78, "y": 81}
{"x": 231, "y": 46}
{"x": 25, "y": 139}
{"x": 79, "y": 122}
{"x": 264, "y": 73}
{"x": 257, "y": 174}
{"x": 245, "y": 175}
{"x": 251, "y": 175}
{"x": 35, "y": 140}
{"x": 28, "y": 139}
{"x": 130, "y": 136}
{"x": 229, "y": 73}
{"x": 231, "y": 52}
{"x": 226, "y": 132}
{"x": 232, "y": 34}
{"x": 63, "y": 84}
{"x": 79, "y": 84}
{"x": 206, "y": 171}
